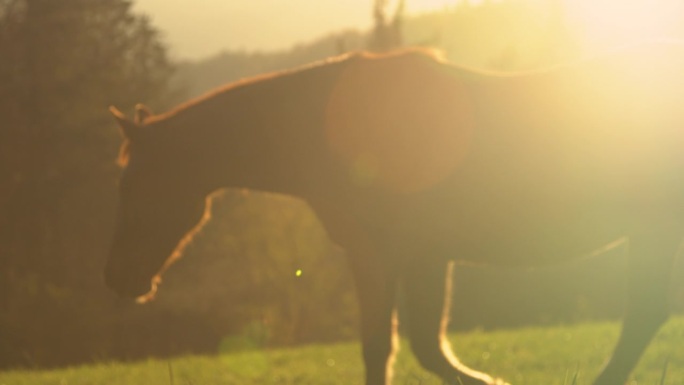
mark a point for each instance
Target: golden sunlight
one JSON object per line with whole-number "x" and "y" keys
{"x": 608, "y": 22}
{"x": 430, "y": 5}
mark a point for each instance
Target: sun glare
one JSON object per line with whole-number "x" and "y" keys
{"x": 609, "y": 22}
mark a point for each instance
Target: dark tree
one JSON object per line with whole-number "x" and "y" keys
{"x": 386, "y": 34}
{"x": 62, "y": 63}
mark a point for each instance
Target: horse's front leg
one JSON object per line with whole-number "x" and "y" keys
{"x": 648, "y": 302}
{"x": 376, "y": 282}
{"x": 426, "y": 286}
{"x": 375, "y": 278}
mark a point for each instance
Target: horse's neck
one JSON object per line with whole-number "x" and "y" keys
{"x": 264, "y": 136}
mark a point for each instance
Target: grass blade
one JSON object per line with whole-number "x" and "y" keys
{"x": 664, "y": 374}
{"x": 575, "y": 376}
{"x": 170, "y": 373}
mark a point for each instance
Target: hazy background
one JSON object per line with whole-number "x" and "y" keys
{"x": 62, "y": 63}
{"x": 207, "y": 27}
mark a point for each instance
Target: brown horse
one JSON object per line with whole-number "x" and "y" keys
{"x": 412, "y": 163}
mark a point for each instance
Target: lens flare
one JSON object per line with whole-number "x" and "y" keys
{"x": 398, "y": 123}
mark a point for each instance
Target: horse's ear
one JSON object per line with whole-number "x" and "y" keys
{"x": 128, "y": 128}
{"x": 142, "y": 112}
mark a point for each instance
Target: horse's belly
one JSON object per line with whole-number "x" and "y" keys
{"x": 535, "y": 240}
{"x": 523, "y": 222}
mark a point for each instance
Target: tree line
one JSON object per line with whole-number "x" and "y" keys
{"x": 62, "y": 63}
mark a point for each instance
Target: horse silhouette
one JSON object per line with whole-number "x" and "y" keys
{"x": 412, "y": 163}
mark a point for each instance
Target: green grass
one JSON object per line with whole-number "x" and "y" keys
{"x": 549, "y": 356}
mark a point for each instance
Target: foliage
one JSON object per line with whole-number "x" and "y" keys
{"x": 264, "y": 269}
{"x": 63, "y": 63}
{"x": 550, "y": 356}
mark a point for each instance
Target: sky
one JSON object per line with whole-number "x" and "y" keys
{"x": 209, "y": 26}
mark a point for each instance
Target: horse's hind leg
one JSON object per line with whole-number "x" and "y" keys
{"x": 650, "y": 270}
{"x": 427, "y": 286}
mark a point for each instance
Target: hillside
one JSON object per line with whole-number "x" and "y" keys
{"x": 510, "y": 35}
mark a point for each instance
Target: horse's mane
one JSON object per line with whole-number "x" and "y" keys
{"x": 432, "y": 53}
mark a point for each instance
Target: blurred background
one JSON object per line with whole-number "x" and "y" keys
{"x": 263, "y": 273}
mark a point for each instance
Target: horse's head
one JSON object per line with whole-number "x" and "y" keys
{"x": 158, "y": 211}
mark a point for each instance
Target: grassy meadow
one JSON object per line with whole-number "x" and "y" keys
{"x": 549, "y": 356}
